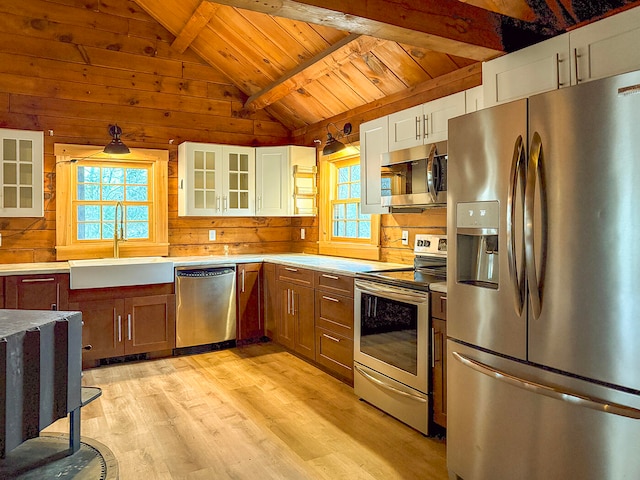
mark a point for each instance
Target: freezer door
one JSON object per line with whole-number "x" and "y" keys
{"x": 501, "y": 428}
{"x": 589, "y": 159}
{"x": 482, "y": 149}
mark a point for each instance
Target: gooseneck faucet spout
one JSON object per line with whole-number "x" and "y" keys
{"x": 118, "y": 233}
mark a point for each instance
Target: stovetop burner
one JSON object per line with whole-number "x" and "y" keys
{"x": 430, "y": 266}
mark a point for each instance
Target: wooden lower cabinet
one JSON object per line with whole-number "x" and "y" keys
{"x": 37, "y": 292}
{"x": 295, "y": 325}
{"x": 439, "y": 361}
{"x": 334, "y": 324}
{"x": 296, "y": 329}
{"x": 125, "y": 321}
{"x": 270, "y": 300}
{"x": 250, "y": 325}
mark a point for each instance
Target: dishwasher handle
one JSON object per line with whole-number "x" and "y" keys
{"x": 205, "y": 272}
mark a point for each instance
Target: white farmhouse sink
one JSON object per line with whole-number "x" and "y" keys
{"x": 120, "y": 272}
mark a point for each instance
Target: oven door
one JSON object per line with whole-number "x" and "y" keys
{"x": 391, "y": 332}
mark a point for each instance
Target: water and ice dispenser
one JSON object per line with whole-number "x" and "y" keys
{"x": 477, "y": 228}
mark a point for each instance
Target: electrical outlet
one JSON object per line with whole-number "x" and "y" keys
{"x": 212, "y": 235}
{"x": 0, "y": 239}
{"x": 302, "y": 234}
{"x": 405, "y": 237}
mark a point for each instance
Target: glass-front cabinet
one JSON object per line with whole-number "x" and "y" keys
{"x": 21, "y": 173}
{"x": 215, "y": 180}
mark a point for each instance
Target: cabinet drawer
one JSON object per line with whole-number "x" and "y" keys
{"x": 335, "y": 313}
{"x": 332, "y": 282}
{"x": 299, "y": 276}
{"x": 439, "y": 305}
{"x": 334, "y": 352}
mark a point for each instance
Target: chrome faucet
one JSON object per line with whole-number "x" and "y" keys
{"x": 118, "y": 235}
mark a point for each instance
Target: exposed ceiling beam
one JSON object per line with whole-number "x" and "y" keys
{"x": 326, "y": 61}
{"x": 448, "y": 26}
{"x": 195, "y": 24}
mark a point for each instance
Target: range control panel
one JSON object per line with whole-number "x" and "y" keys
{"x": 426, "y": 244}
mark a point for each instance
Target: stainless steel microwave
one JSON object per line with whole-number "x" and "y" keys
{"x": 415, "y": 177}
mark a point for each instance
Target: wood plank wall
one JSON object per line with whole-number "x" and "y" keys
{"x": 73, "y": 67}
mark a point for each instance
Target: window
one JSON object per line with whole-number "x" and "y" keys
{"x": 348, "y": 222}
{"x": 345, "y": 230}
{"x": 100, "y": 188}
{"x": 92, "y": 187}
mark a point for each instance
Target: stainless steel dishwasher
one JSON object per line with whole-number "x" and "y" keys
{"x": 206, "y": 310}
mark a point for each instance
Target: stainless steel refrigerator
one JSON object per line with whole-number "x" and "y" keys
{"x": 543, "y": 318}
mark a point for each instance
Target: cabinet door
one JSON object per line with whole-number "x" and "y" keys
{"x": 437, "y": 114}
{"x": 439, "y": 371}
{"x": 607, "y": 47}
{"x": 285, "y": 331}
{"x": 305, "y": 336}
{"x": 271, "y": 296}
{"x": 374, "y": 141}
{"x": 249, "y": 290}
{"x": 21, "y": 173}
{"x": 37, "y": 292}
{"x": 238, "y": 196}
{"x": 103, "y": 327}
{"x": 150, "y": 323}
{"x": 200, "y": 179}
{"x": 536, "y": 69}
{"x": 473, "y": 99}
{"x": 273, "y": 179}
{"x": 406, "y": 128}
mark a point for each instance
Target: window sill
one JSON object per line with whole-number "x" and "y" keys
{"x": 352, "y": 250}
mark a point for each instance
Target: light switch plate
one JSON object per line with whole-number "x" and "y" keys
{"x": 405, "y": 237}
{"x": 212, "y": 235}
{"x": 302, "y": 234}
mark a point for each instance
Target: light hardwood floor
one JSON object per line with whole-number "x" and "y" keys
{"x": 255, "y": 412}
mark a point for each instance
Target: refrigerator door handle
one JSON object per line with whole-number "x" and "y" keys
{"x": 432, "y": 181}
{"x": 518, "y": 178}
{"x": 550, "y": 391}
{"x": 535, "y": 172}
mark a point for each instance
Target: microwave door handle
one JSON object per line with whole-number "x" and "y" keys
{"x": 431, "y": 181}
{"x": 535, "y": 173}
{"x": 517, "y": 178}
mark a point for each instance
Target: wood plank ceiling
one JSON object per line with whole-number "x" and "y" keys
{"x": 306, "y": 61}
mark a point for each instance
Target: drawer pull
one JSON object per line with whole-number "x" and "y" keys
{"x": 37, "y": 280}
{"x": 337, "y": 340}
{"x": 332, "y": 277}
{"x": 331, "y": 299}
{"x": 291, "y": 269}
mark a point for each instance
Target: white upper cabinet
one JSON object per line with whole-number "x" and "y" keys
{"x": 426, "y": 123}
{"x": 607, "y": 47}
{"x": 374, "y": 141}
{"x": 474, "y": 99}
{"x": 601, "y": 49}
{"x": 281, "y": 190}
{"x": 215, "y": 180}
{"x": 239, "y": 181}
{"x": 535, "y": 69}
{"x": 199, "y": 179}
{"x": 21, "y": 173}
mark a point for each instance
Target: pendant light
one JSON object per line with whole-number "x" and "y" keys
{"x": 333, "y": 145}
{"x": 116, "y": 147}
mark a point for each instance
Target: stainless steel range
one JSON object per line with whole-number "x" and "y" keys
{"x": 391, "y": 341}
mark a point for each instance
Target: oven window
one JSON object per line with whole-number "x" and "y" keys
{"x": 389, "y": 332}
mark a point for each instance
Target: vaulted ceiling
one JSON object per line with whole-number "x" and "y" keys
{"x": 306, "y": 61}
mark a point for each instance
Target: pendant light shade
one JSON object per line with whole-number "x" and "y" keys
{"x": 332, "y": 145}
{"x": 116, "y": 147}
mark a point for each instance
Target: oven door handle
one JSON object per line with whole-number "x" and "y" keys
{"x": 386, "y": 386}
{"x": 392, "y": 293}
